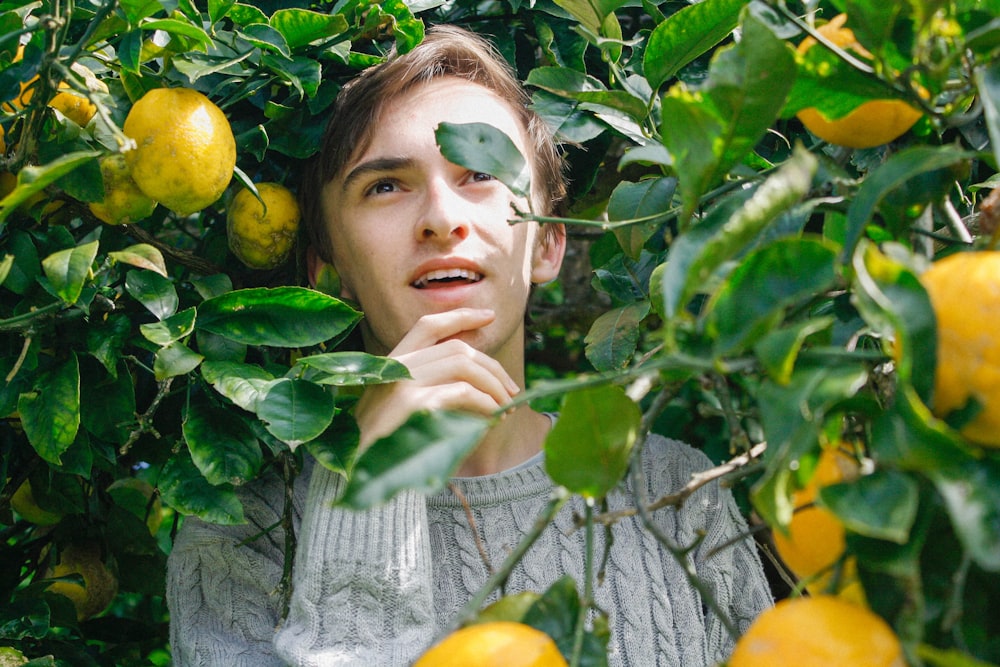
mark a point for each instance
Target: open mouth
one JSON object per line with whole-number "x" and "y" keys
{"x": 446, "y": 278}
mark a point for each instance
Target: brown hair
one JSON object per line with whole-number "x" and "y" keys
{"x": 445, "y": 51}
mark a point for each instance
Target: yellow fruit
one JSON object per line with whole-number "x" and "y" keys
{"x": 263, "y": 237}
{"x": 77, "y": 108}
{"x": 139, "y": 498}
{"x": 123, "y": 201}
{"x": 23, "y": 502}
{"x": 496, "y": 644}
{"x": 964, "y": 290}
{"x": 185, "y": 150}
{"x": 815, "y": 539}
{"x": 99, "y": 584}
{"x": 873, "y": 123}
{"x": 11, "y": 657}
{"x": 820, "y": 631}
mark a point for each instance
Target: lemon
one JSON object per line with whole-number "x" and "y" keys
{"x": 262, "y": 235}
{"x": 99, "y": 584}
{"x": 123, "y": 201}
{"x": 23, "y": 502}
{"x": 964, "y": 290}
{"x": 496, "y": 644}
{"x": 11, "y": 657}
{"x": 873, "y": 123}
{"x": 185, "y": 150}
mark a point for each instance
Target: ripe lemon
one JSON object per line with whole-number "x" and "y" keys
{"x": 262, "y": 235}
{"x": 123, "y": 201}
{"x": 873, "y": 123}
{"x": 496, "y": 644}
{"x": 964, "y": 290}
{"x": 185, "y": 151}
{"x": 815, "y": 538}
{"x": 821, "y": 631}
{"x": 77, "y": 108}
{"x": 99, "y": 584}
{"x": 23, "y": 502}
{"x": 11, "y": 657}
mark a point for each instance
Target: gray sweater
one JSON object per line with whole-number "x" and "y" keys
{"x": 377, "y": 587}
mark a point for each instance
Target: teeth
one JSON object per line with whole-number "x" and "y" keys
{"x": 446, "y": 274}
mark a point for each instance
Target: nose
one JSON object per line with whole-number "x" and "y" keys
{"x": 446, "y": 214}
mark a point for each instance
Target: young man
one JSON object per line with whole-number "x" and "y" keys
{"x": 426, "y": 249}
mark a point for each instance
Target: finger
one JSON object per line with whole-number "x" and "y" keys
{"x": 432, "y": 329}
{"x": 457, "y": 360}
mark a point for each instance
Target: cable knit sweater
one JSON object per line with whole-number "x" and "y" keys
{"x": 377, "y": 587}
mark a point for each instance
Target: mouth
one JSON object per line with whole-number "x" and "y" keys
{"x": 446, "y": 278}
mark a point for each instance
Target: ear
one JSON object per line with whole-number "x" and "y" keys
{"x": 313, "y": 265}
{"x": 323, "y": 276}
{"x": 550, "y": 248}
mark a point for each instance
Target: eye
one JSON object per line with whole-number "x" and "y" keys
{"x": 481, "y": 177}
{"x": 382, "y": 187}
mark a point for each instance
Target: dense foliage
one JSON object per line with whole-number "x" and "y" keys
{"x": 757, "y": 289}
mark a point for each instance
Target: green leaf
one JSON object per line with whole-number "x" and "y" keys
{"x": 153, "y": 291}
{"x": 300, "y": 27}
{"x": 143, "y": 256}
{"x": 766, "y": 283}
{"x": 243, "y": 384}
{"x": 987, "y": 80}
{"x": 31, "y": 179}
{"x": 183, "y": 488}
{"x": 109, "y": 410}
{"x": 882, "y": 505}
{"x": 182, "y": 29}
{"x": 687, "y": 34}
{"x": 937, "y": 657}
{"x": 971, "y": 492}
{"x": 222, "y": 445}
{"x": 50, "y": 413}
{"x": 651, "y": 199}
{"x": 556, "y": 613}
{"x": 337, "y": 447}
{"x": 611, "y": 341}
{"x": 175, "y": 359}
{"x": 67, "y": 270}
{"x": 694, "y": 256}
{"x": 5, "y": 265}
{"x": 900, "y": 167}
{"x": 587, "y": 451}
{"x": 280, "y": 317}
{"x": 353, "y": 368}
{"x": 778, "y": 349}
{"x": 482, "y": 147}
{"x": 422, "y": 454}
{"x": 267, "y": 38}
{"x": 171, "y": 329}
{"x": 295, "y": 411}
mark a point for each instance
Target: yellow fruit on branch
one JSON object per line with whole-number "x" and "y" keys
{"x": 964, "y": 290}
{"x": 873, "y": 123}
{"x": 99, "y": 584}
{"x": 821, "y": 631}
{"x": 76, "y": 107}
{"x": 262, "y": 235}
{"x": 185, "y": 150}
{"x": 23, "y": 502}
{"x": 494, "y": 644}
{"x": 815, "y": 539}
{"x": 123, "y": 201}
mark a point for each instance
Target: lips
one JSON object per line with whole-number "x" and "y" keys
{"x": 446, "y": 277}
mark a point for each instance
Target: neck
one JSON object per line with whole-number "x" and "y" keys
{"x": 516, "y": 438}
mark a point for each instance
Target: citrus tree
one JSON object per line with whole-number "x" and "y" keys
{"x": 760, "y": 192}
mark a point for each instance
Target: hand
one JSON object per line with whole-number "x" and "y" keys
{"x": 447, "y": 373}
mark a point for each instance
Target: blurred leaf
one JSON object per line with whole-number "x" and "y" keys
{"x": 68, "y": 270}
{"x": 897, "y": 169}
{"x": 170, "y": 329}
{"x": 778, "y": 349}
{"x": 612, "y": 339}
{"x": 26, "y": 266}
{"x": 971, "y": 492}
{"x": 50, "y": 412}
{"x": 295, "y": 411}
{"x": 336, "y": 448}
{"x": 183, "y": 488}
{"x": 557, "y": 612}
{"x": 153, "y": 291}
{"x": 281, "y": 317}
{"x": 767, "y": 282}
{"x": 882, "y": 505}
{"x": 936, "y": 657}
{"x": 222, "y": 446}
{"x": 687, "y": 34}
{"x": 422, "y": 454}
{"x": 353, "y": 368}
{"x": 175, "y": 359}
{"x": 987, "y": 80}
{"x": 243, "y": 384}
{"x": 143, "y": 256}
{"x": 588, "y": 449}
{"x": 482, "y": 147}
{"x": 32, "y": 180}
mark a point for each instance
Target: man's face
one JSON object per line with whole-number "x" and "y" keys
{"x": 415, "y": 234}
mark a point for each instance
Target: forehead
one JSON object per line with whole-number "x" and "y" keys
{"x": 409, "y": 119}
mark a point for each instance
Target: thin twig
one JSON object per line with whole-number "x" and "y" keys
{"x": 144, "y": 422}
{"x": 188, "y": 259}
{"x": 472, "y": 525}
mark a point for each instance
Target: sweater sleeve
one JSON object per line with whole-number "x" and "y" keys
{"x": 362, "y": 585}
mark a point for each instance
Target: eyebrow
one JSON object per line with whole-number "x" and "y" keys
{"x": 375, "y": 166}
